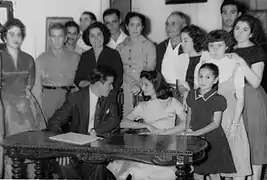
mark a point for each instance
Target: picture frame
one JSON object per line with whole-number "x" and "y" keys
{"x": 52, "y": 20}
{"x": 6, "y": 12}
{"x": 262, "y": 16}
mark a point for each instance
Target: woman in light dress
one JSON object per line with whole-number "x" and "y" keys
{"x": 158, "y": 114}
{"x": 138, "y": 54}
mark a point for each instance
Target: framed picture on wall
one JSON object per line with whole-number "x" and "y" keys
{"x": 6, "y": 13}
{"x": 52, "y": 20}
{"x": 262, "y": 16}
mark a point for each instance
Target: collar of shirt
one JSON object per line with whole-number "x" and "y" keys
{"x": 140, "y": 40}
{"x": 205, "y": 96}
{"x": 113, "y": 44}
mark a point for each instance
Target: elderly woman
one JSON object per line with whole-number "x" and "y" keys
{"x": 19, "y": 108}
{"x": 158, "y": 114}
{"x": 138, "y": 54}
{"x": 97, "y": 35}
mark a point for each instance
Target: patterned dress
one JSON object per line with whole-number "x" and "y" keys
{"x": 161, "y": 114}
{"x": 21, "y": 110}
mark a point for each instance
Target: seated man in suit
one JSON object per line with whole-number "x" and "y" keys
{"x": 88, "y": 111}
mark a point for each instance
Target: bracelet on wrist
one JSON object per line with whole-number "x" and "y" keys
{"x": 236, "y": 124}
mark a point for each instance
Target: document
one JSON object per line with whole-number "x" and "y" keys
{"x": 74, "y": 138}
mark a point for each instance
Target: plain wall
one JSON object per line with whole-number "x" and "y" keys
{"x": 205, "y": 15}
{"x": 33, "y": 14}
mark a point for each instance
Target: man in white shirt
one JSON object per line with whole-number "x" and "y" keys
{"x": 87, "y": 18}
{"x": 111, "y": 18}
{"x": 169, "y": 49}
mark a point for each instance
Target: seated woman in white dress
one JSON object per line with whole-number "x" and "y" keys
{"x": 158, "y": 114}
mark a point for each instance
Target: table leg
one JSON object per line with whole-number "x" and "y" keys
{"x": 48, "y": 163}
{"x": 17, "y": 164}
{"x": 184, "y": 172}
{"x": 38, "y": 169}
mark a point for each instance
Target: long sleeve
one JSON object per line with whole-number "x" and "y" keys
{"x": 151, "y": 56}
{"x": 109, "y": 122}
{"x": 82, "y": 71}
{"x": 37, "y": 87}
{"x": 62, "y": 116}
{"x": 118, "y": 67}
{"x": 32, "y": 72}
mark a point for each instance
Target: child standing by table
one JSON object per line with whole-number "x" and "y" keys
{"x": 206, "y": 107}
{"x": 231, "y": 86}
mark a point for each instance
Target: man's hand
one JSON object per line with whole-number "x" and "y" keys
{"x": 84, "y": 83}
{"x": 92, "y": 132}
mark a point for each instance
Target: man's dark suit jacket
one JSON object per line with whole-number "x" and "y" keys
{"x": 108, "y": 57}
{"x": 76, "y": 112}
{"x": 160, "y": 50}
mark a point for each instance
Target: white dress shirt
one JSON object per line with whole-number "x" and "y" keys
{"x": 113, "y": 44}
{"x": 93, "y": 102}
{"x": 172, "y": 67}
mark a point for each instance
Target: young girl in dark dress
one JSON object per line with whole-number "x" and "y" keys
{"x": 206, "y": 107}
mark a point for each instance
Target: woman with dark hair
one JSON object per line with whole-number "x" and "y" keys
{"x": 20, "y": 110}
{"x": 138, "y": 54}
{"x": 192, "y": 38}
{"x": 255, "y": 108}
{"x": 158, "y": 116}
{"x": 97, "y": 35}
{"x": 231, "y": 86}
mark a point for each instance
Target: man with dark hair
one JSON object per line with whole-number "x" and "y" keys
{"x": 88, "y": 111}
{"x": 87, "y": 18}
{"x": 230, "y": 10}
{"x": 55, "y": 70}
{"x": 73, "y": 34}
{"x": 112, "y": 19}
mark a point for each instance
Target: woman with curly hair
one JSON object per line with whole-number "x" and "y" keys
{"x": 182, "y": 70}
{"x": 158, "y": 116}
{"x": 20, "y": 110}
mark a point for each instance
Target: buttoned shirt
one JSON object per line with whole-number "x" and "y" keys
{"x": 55, "y": 70}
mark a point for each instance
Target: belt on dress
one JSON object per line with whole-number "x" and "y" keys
{"x": 67, "y": 88}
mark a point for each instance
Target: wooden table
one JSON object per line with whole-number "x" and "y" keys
{"x": 179, "y": 151}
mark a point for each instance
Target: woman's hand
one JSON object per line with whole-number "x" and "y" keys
{"x": 84, "y": 83}
{"x": 152, "y": 129}
{"x": 135, "y": 89}
{"x": 237, "y": 59}
{"x": 233, "y": 131}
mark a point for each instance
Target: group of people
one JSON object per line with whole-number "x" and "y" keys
{"x": 74, "y": 87}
